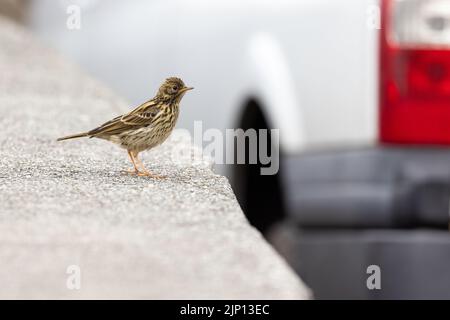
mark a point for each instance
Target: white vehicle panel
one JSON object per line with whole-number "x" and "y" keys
{"x": 312, "y": 64}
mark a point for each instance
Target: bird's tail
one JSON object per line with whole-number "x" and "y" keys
{"x": 79, "y": 135}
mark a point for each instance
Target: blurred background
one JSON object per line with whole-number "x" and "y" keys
{"x": 359, "y": 89}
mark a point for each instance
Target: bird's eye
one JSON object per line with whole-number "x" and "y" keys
{"x": 175, "y": 88}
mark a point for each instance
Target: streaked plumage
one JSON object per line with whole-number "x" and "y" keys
{"x": 146, "y": 126}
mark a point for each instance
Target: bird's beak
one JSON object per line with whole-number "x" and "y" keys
{"x": 186, "y": 89}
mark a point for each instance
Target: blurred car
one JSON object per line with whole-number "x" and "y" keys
{"x": 360, "y": 90}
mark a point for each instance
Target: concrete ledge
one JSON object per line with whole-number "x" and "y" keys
{"x": 65, "y": 204}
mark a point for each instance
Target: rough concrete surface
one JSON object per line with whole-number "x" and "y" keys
{"x": 67, "y": 203}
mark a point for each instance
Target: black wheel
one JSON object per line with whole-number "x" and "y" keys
{"x": 260, "y": 196}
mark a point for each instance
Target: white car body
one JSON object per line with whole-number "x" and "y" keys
{"x": 311, "y": 65}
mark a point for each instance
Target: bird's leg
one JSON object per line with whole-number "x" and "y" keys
{"x": 136, "y": 170}
{"x": 139, "y": 162}
{"x": 144, "y": 171}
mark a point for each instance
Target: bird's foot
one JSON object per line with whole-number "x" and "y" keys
{"x": 151, "y": 175}
{"x": 132, "y": 172}
{"x": 144, "y": 173}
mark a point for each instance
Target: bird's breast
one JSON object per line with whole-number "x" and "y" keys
{"x": 151, "y": 135}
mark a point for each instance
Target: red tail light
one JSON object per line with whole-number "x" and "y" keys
{"x": 415, "y": 72}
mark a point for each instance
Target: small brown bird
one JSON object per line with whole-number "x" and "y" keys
{"x": 144, "y": 127}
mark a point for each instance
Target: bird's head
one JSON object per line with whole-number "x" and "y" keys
{"x": 173, "y": 88}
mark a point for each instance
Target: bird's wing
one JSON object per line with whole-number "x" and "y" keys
{"x": 140, "y": 117}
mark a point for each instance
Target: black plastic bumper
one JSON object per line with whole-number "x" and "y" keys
{"x": 348, "y": 210}
{"x": 369, "y": 188}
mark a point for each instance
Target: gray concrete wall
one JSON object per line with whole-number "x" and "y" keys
{"x": 67, "y": 203}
